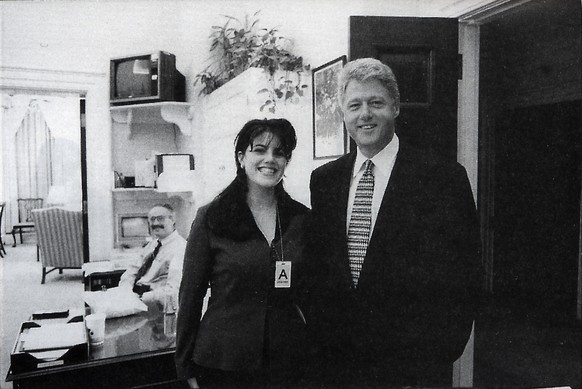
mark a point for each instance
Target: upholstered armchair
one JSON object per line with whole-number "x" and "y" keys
{"x": 60, "y": 239}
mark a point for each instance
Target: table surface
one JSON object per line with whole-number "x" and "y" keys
{"x": 126, "y": 338}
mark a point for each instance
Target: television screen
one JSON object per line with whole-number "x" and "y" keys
{"x": 133, "y": 78}
{"x": 134, "y": 227}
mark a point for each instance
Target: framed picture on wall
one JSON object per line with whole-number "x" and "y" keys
{"x": 329, "y": 133}
{"x": 413, "y": 68}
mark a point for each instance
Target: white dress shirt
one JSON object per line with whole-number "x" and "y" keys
{"x": 165, "y": 274}
{"x": 383, "y": 165}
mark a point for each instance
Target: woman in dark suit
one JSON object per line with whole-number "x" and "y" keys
{"x": 246, "y": 247}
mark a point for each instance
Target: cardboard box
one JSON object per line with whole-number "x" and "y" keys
{"x": 51, "y": 339}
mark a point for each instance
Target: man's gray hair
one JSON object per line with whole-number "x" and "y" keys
{"x": 365, "y": 69}
{"x": 168, "y": 207}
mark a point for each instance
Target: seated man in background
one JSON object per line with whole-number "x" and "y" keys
{"x": 158, "y": 271}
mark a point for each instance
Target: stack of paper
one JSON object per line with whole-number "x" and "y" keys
{"x": 52, "y": 336}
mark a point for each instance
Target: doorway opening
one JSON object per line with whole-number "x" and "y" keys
{"x": 536, "y": 217}
{"x": 42, "y": 145}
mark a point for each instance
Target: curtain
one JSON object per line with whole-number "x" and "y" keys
{"x": 34, "y": 145}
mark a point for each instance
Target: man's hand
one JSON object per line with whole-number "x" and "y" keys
{"x": 193, "y": 382}
{"x": 148, "y": 297}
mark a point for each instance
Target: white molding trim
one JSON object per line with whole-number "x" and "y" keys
{"x": 47, "y": 71}
{"x": 468, "y": 118}
{"x": 490, "y": 11}
{"x": 34, "y": 79}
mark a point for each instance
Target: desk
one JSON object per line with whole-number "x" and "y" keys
{"x": 103, "y": 274}
{"x": 138, "y": 350}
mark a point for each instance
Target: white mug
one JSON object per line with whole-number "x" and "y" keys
{"x": 95, "y": 324}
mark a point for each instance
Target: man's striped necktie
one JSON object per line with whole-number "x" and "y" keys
{"x": 361, "y": 222}
{"x": 147, "y": 263}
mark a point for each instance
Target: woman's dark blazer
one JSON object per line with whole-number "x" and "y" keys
{"x": 246, "y": 316}
{"x": 415, "y": 301}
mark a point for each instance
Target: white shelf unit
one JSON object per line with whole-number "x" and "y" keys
{"x": 139, "y": 131}
{"x": 177, "y": 113}
{"x": 137, "y": 193}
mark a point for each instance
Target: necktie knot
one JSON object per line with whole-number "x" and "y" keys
{"x": 157, "y": 247}
{"x": 369, "y": 166}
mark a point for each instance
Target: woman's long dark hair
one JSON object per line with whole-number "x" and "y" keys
{"x": 229, "y": 206}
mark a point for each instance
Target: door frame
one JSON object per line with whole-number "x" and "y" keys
{"x": 42, "y": 81}
{"x": 485, "y": 156}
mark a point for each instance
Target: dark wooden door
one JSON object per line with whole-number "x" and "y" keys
{"x": 423, "y": 53}
{"x": 537, "y": 192}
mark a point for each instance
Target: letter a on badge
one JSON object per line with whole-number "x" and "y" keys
{"x": 282, "y": 274}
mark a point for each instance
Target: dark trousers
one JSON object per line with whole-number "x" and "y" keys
{"x": 260, "y": 379}
{"x": 350, "y": 372}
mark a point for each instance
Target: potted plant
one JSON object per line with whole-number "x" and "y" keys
{"x": 237, "y": 46}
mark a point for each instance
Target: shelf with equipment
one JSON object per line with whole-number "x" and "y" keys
{"x": 139, "y": 132}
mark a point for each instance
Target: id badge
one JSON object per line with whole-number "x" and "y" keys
{"x": 282, "y": 274}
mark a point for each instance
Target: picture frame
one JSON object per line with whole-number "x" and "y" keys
{"x": 330, "y": 137}
{"x": 413, "y": 68}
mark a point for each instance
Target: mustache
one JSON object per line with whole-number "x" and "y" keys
{"x": 154, "y": 226}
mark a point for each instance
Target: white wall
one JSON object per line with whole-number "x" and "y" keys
{"x": 81, "y": 36}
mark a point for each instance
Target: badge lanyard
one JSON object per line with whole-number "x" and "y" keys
{"x": 282, "y": 268}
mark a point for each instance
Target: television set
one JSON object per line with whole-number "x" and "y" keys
{"x": 146, "y": 78}
{"x": 133, "y": 230}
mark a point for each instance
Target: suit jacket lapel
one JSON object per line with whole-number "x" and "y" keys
{"x": 339, "y": 188}
{"x": 397, "y": 192}
{"x": 344, "y": 180}
{"x": 399, "y": 184}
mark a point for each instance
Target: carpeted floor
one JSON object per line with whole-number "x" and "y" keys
{"x": 508, "y": 352}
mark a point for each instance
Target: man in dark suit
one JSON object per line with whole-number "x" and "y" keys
{"x": 393, "y": 244}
